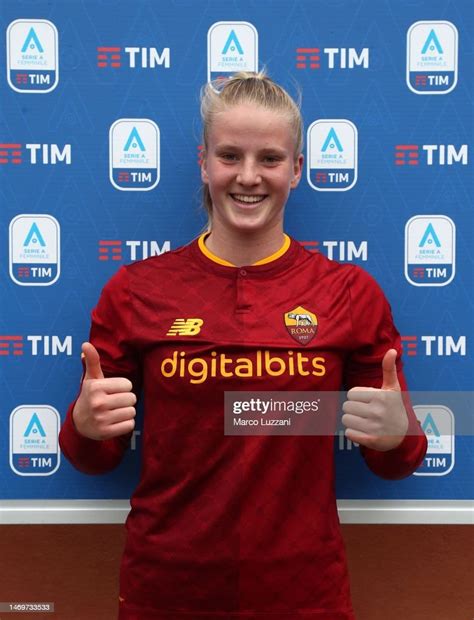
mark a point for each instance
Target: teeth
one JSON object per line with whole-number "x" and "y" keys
{"x": 249, "y": 199}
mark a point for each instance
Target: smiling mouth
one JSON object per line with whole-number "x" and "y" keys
{"x": 248, "y": 199}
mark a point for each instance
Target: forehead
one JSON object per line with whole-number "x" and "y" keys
{"x": 252, "y": 124}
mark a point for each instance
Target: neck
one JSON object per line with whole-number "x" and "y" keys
{"x": 244, "y": 248}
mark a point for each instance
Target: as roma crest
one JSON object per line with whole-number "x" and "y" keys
{"x": 301, "y": 324}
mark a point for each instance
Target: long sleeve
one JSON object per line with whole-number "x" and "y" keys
{"x": 111, "y": 334}
{"x": 374, "y": 333}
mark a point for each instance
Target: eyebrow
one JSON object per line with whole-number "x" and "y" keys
{"x": 268, "y": 149}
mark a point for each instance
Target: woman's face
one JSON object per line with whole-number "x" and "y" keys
{"x": 250, "y": 168}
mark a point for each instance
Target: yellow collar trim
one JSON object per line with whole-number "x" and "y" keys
{"x": 221, "y": 261}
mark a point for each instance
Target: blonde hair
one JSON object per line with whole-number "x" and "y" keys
{"x": 246, "y": 87}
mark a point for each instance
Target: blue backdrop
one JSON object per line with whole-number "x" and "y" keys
{"x": 99, "y": 164}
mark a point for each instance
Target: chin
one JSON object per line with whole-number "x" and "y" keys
{"x": 248, "y": 224}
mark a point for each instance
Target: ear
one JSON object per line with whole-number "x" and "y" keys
{"x": 204, "y": 175}
{"x": 297, "y": 171}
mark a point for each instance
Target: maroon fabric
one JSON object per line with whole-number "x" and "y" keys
{"x": 231, "y": 526}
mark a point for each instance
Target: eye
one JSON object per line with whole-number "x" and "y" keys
{"x": 228, "y": 156}
{"x": 271, "y": 159}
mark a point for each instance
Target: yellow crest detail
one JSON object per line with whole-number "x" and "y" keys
{"x": 302, "y": 324}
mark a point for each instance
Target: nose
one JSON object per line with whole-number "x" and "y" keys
{"x": 248, "y": 173}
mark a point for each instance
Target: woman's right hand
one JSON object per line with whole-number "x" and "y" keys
{"x": 105, "y": 407}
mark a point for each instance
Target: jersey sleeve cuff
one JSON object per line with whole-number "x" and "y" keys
{"x": 401, "y": 461}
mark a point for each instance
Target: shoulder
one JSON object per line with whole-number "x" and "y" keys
{"x": 148, "y": 273}
{"x": 368, "y": 301}
{"x": 360, "y": 279}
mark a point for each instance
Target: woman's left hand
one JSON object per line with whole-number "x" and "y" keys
{"x": 376, "y": 418}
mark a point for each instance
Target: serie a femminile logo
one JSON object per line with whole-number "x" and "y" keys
{"x": 430, "y": 250}
{"x": 332, "y": 155}
{"x": 432, "y": 57}
{"x": 134, "y": 154}
{"x": 34, "y": 445}
{"x": 32, "y": 56}
{"x": 35, "y": 252}
{"x": 231, "y": 47}
{"x": 437, "y": 422}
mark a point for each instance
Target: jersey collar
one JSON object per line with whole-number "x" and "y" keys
{"x": 264, "y": 261}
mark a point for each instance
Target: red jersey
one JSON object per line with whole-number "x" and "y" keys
{"x": 231, "y": 526}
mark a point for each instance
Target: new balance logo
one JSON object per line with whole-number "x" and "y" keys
{"x": 185, "y": 327}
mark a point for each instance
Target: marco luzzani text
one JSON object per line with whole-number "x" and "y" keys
{"x": 298, "y": 412}
{"x": 258, "y": 405}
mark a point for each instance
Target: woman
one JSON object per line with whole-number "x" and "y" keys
{"x": 230, "y": 526}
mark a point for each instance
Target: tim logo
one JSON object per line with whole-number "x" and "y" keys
{"x": 332, "y": 155}
{"x": 432, "y": 57}
{"x": 117, "y": 250}
{"x": 34, "y": 446}
{"x": 430, "y": 250}
{"x": 134, "y": 154}
{"x": 11, "y": 345}
{"x": 441, "y": 346}
{"x": 35, "y": 154}
{"x": 142, "y": 57}
{"x": 34, "y": 250}
{"x": 10, "y": 153}
{"x": 185, "y": 327}
{"x": 437, "y": 422}
{"x": 436, "y": 154}
{"x": 32, "y": 56}
{"x": 339, "y": 250}
{"x": 334, "y": 58}
{"x": 109, "y": 57}
{"x": 231, "y": 47}
{"x": 38, "y": 345}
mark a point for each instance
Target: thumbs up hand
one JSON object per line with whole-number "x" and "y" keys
{"x": 376, "y": 418}
{"x": 105, "y": 407}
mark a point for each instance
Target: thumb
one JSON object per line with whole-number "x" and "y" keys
{"x": 389, "y": 368}
{"x": 91, "y": 359}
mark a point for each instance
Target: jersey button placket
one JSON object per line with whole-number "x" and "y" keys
{"x": 243, "y": 305}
